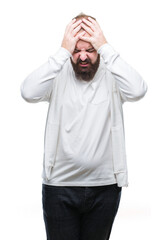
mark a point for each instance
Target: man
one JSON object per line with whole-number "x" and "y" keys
{"x": 85, "y": 82}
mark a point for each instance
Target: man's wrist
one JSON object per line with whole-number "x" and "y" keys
{"x": 102, "y": 46}
{"x": 66, "y": 50}
{"x": 60, "y": 57}
{"x": 107, "y": 53}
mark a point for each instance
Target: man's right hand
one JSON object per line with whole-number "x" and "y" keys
{"x": 71, "y": 35}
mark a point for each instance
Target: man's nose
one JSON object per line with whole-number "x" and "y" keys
{"x": 83, "y": 56}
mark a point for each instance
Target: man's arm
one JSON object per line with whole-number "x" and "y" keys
{"x": 131, "y": 85}
{"x": 38, "y": 85}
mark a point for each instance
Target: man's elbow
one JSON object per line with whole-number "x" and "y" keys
{"x": 27, "y": 94}
{"x": 139, "y": 92}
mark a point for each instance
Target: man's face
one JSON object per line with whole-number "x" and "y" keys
{"x": 85, "y": 60}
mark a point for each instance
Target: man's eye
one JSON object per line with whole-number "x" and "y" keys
{"x": 90, "y": 50}
{"x": 76, "y": 51}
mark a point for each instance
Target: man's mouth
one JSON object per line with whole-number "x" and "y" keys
{"x": 84, "y": 64}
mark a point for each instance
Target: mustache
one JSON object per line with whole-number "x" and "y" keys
{"x": 87, "y": 60}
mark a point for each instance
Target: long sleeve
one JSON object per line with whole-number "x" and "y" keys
{"x": 38, "y": 85}
{"x": 131, "y": 85}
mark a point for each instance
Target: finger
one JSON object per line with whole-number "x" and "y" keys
{"x": 74, "y": 25}
{"x": 77, "y": 29}
{"x": 79, "y": 35}
{"x": 70, "y": 23}
{"x": 86, "y": 39}
{"x": 73, "y": 20}
{"x": 93, "y": 21}
{"x": 89, "y": 24}
{"x": 87, "y": 29}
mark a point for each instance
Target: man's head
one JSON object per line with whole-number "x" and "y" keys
{"x": 85, "y": 59}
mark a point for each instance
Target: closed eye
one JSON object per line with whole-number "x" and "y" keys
{"x": 76, "y": 51}
{"x": 91, "y": 50}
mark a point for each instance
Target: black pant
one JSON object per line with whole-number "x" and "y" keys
{"x": 80, "y": 213}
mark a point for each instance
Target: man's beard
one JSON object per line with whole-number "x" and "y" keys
{"x": 85, "y": 73}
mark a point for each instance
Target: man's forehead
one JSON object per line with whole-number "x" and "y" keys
{"x": 82, "y": 45}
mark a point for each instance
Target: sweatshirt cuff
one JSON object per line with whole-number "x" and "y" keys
{"x": 122, "y": 179}
{"x": 65, "y": 51}
{"x": 60, "y": 57}
{"x": 62, "y": 53}
{"x": 106, "y": 51}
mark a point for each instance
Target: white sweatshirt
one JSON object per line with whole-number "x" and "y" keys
{"x": 84, "y": 155}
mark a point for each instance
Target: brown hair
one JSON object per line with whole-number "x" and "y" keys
{"x": 83, "y": 15}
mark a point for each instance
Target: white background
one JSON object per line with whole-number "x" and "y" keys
{"x": 32, "y": 30}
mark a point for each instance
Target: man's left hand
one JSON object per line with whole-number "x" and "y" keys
{"x": 92, "y": 27}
